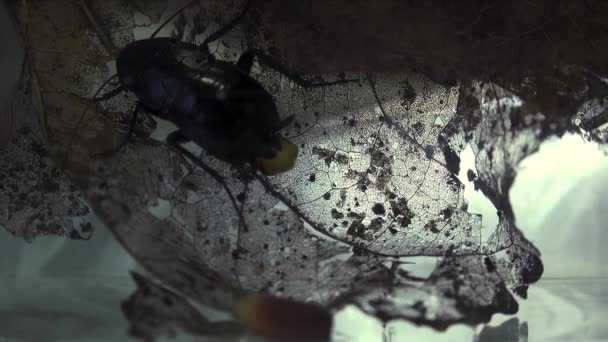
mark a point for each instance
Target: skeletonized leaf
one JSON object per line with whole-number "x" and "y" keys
{"x": 375, "y": 181}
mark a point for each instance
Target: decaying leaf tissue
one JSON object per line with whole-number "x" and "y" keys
{"x": 375, "y": 152}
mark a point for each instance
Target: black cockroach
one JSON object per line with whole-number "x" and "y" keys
{"x": 214, "y": 103}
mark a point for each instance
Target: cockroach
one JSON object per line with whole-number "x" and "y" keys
{"x": 214, "y": 103}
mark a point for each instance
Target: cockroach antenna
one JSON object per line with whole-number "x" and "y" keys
{"x": 171, "y": 18}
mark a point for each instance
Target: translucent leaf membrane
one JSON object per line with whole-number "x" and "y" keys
{"x": 36, "y": 197}
{"x": 592, "y": 118}
{"x": 155, "y": 311}
{"x": 460, "y": 290}
{"x": 369, "y": 173}
{"x": 503, "y": 136}
{"x": 375, "y": 180}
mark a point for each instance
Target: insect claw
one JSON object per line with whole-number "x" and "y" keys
{"x": 268, "y": 60}
{"x": 108, "y": 95}
{"x": 174, "y": 140}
